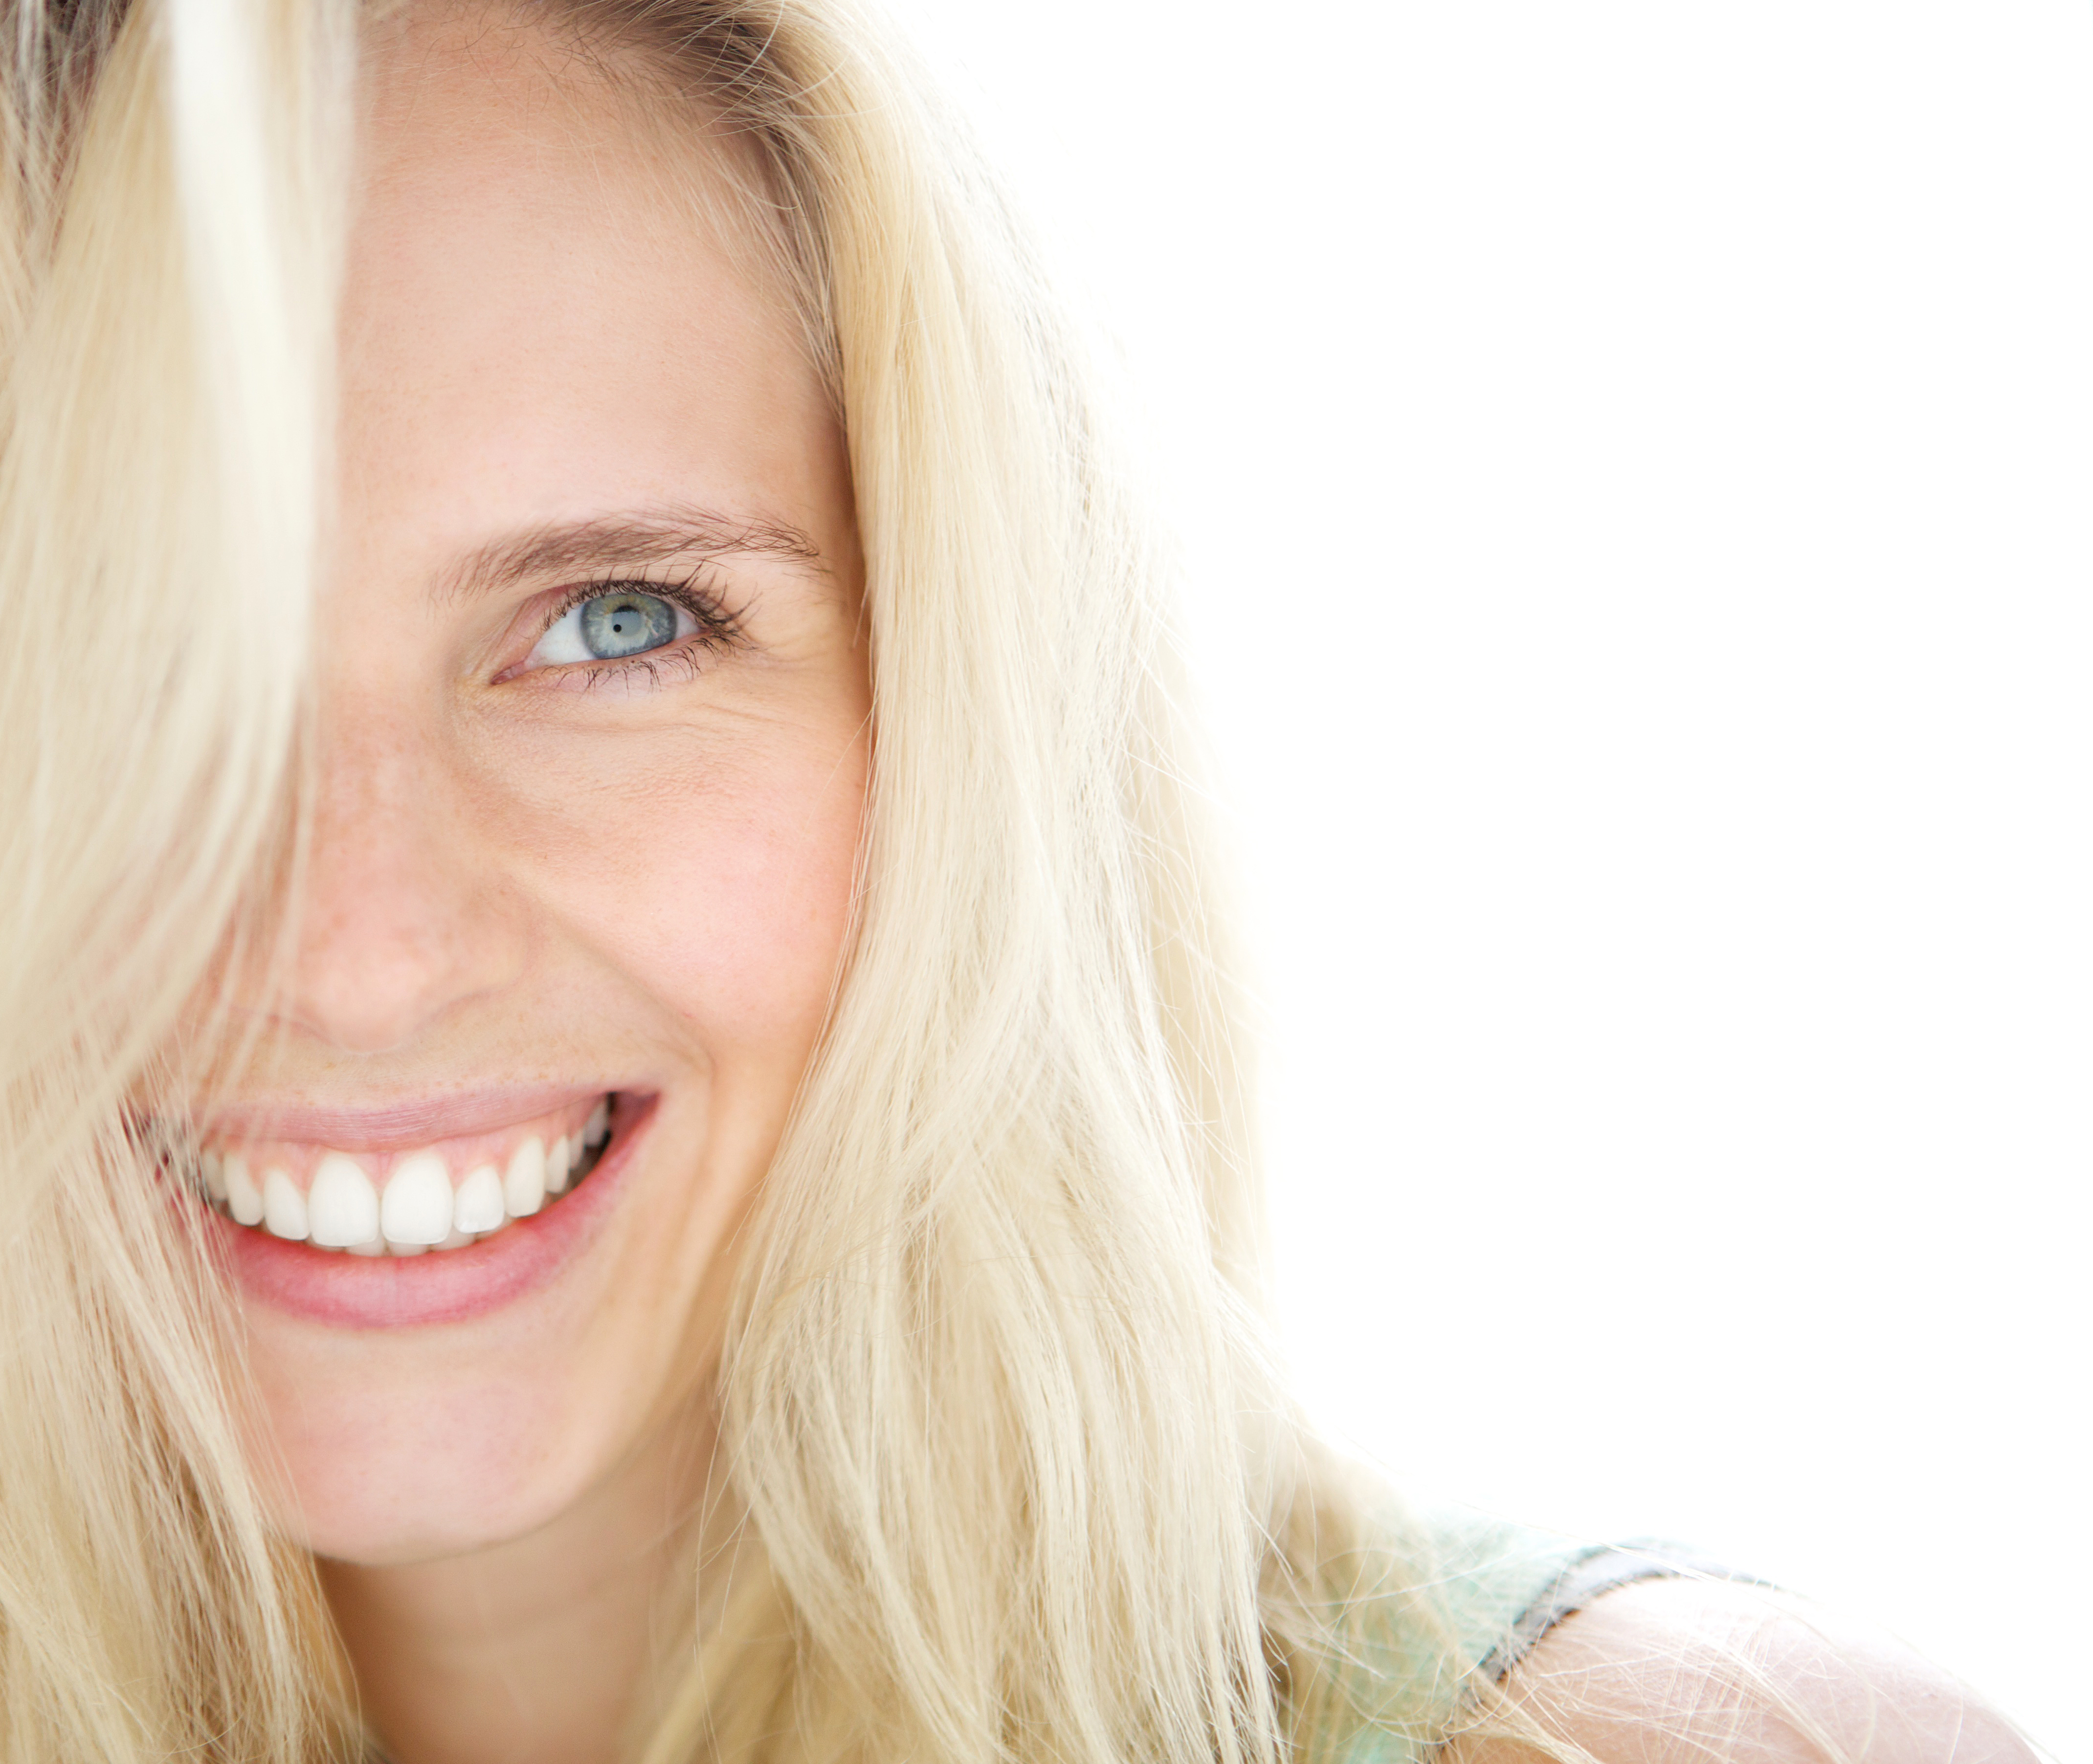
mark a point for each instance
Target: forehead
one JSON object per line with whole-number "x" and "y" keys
{"x": 546, "y": 308}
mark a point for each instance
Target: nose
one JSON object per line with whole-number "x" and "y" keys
{"x": 401, "y": 919}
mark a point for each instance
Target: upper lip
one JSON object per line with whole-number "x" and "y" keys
{"x": 398, "y": 1124}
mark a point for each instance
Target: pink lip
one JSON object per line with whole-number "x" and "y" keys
{"x": 399, "y": 1127}
{"x": 444, "y": 1285}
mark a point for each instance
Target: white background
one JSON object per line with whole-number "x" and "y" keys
{"x": 1635, "y": 458}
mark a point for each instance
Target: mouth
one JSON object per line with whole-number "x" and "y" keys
{"x": 445, "y": 1195}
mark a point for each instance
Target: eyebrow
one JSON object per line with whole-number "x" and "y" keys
{"x": 627, "y": 540}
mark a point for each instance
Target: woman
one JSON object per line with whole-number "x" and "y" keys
{"x": 624, "y": 1097}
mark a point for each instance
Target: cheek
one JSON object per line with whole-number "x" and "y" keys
{"x": 717, "y": 885}
{"x": 745, "y": 894}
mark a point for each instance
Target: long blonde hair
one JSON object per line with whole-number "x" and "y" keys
{"x": 996, "y": 1404}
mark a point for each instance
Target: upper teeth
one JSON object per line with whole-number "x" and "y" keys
{"x": 421, "y": 1206}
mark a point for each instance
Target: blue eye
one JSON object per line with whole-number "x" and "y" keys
{"x": 625, "y": 624}
{"x": 612, "y": 627}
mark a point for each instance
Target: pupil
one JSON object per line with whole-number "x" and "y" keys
{"x": 619, "y": 624}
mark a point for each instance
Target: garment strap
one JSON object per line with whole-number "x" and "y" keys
{"x": 1583, "y": 1577}
{"x": 1474, "y": 1594}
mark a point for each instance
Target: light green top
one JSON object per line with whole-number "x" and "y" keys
{"x": 1475, "y": 1593}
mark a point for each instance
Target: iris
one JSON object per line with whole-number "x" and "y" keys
{"x": 625, "y": 624}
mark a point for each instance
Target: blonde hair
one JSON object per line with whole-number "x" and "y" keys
{"x": 1021, "y": 1481}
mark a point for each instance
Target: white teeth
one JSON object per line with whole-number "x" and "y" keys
{"x": 524, "y": 1187}
{"x": 417, "y": 1208}
{"x": 343, "y": 1206}
{"x": 480, "y": 1206}
{"x": 241, "y": 1193}
{"x": 283, "y": 1208}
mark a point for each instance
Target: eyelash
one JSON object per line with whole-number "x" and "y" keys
{"x": 719, "y": 628}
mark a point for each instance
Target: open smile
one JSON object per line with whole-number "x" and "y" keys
{"x": 323, "y": 1221}
{"x": 444, "y": 1195}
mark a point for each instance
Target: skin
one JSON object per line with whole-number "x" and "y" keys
{"x": 1685, "y": 1672}
{"x": 532, "y": 877}
{"x": 641, "y": 881}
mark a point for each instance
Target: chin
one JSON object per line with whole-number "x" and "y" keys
{"x": 444, "y": 1468}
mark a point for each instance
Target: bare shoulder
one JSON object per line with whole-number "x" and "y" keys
{"x": 1670, "y": 1671}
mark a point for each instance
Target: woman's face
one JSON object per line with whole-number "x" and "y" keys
{"x": 593, "y": 740}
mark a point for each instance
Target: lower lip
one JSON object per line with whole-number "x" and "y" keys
{"x": 368, "y": 1292}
